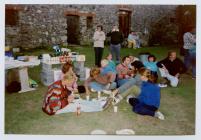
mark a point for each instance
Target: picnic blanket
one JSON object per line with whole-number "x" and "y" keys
{"x": 93, "y": 105}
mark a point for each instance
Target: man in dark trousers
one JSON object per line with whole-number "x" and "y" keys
{"x": 171, "y": 68}
{"x": 115, "y": 44}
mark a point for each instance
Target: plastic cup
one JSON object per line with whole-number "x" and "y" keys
{"x": 87, "y": 97}
{"x": 99, "y": 95}
{"x": 115, "y": 109}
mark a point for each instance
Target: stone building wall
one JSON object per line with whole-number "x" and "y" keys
{"x": 41, "y": 25}
{"x": 144, "y": 16}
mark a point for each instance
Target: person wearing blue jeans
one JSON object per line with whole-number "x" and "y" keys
{"x": 190, "y": 60}
{"x": 148, "y": 101}
{"x": 115, "y": 51}
{"x": 133, "y": 84}
{"x": 129, "y": 87}
{"x": 136, "y": 81}
{"x": 101, "y": 87}
{"x": 189, "y": 39}
{"x": 99, "y": 82}
{"x": 115, "y": 43}
{"x": 192, "y": 57}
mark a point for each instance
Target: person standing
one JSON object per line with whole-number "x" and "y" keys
{"x": 190, "y": 49}
{"x": 99, "y": 38}
{"x": 115, "y": 43}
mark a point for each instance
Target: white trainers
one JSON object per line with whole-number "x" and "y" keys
{"x": 114, "y": 93}
{"x": 128, "y": 97}
{"x": 159, "y": 115}
{"x": 117, "y": 99}
{"x": 107, "y": 92}
{"x": 162, "y": 85}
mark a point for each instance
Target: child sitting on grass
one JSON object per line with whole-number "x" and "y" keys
{"x": 67, "y": 71}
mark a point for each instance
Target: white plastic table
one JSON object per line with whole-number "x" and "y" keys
{"x": 23, "y": 73}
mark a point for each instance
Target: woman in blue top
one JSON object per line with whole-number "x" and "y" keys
{"x": 148, "y": 101}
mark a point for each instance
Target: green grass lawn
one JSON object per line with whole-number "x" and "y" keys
{"x": 23, "y": 114}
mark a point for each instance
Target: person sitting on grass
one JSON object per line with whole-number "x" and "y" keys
{"x": 124, "y": 74}
{"x": 58, "y": 96}
{"x": 111, "y": 63}
{"x": 72, "y": 78}
{"x": 151, "y": 65}
{"x": 99, "y": 82}
{"x": 129, "y": 87}
{"x": 106, "y": 68}
{"x": 148, "y": 101}
{"x": 132, "y": 59}
{"x": 170, "y": 68}
{"x": 132, "y": 40}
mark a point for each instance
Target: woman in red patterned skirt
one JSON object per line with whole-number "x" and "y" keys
{"x": 58, "y": 96}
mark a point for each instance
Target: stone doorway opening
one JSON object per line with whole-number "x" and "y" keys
{"x": 125, "y": 22}
{"x": 73, "y": 29}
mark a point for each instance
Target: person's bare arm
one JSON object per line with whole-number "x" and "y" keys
{"x": 86, "y": 84}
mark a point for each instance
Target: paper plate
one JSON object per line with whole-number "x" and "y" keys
{"x": 98, "y": 132}
{"x": 125, "y": 132}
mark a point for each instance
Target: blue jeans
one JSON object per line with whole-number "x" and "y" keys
{"x": 132, "y": 86}
{"x": 193, "y": 62}
{"x": 190, "y": 60}
{"x": 121, "y": 82}
{"x": 137, "y": 43}
{"x": 100, "y": 87}
{"x": 115, "y": 51}
{"x": 134, "y": 81}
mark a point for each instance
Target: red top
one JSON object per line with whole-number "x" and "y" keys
{"x": 56, "y": 98}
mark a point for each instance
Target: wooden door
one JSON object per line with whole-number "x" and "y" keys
{"x": 124, "y": 22}
{"x": 73, "y": 29}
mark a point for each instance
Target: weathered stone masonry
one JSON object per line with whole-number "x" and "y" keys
{"x": 40, "y": 25}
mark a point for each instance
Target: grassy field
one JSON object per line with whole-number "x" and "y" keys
{"x": 23, "y": 114}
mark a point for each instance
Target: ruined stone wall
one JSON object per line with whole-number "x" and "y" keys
{"x": 145, "y": 16}
{"x": 41, "y": 25}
